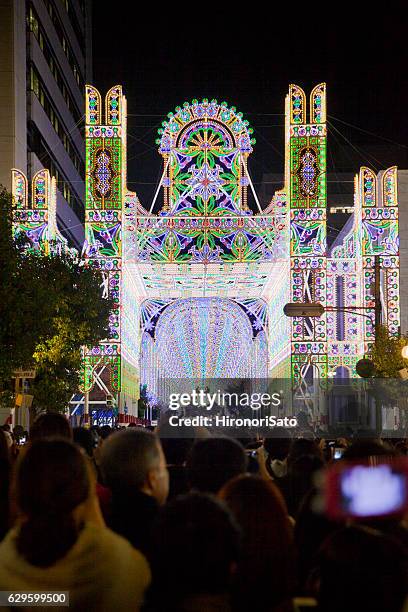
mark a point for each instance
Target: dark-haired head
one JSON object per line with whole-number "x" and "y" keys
{"x": 214, "y": 461}
{"x": 4, "y": 484}
{"x": 50, "y": 424}
{"x": 105, "y": 431}
{"x": 278, "y": 445}
{"x": 311, "y": 529}
{"x": 267, "y": 542}
{"x": 4, "y": 449}
{"x": 304, "y": 460}
{"x": 364, "y": 448}
{"x": 85, "y": 438}
{"x": 177, "y": 448}
{"x": 51, "y": 482}
{"x": 196, "y": 543}
{"x": 362, "y": 569}
{"x": 303, "y": 446}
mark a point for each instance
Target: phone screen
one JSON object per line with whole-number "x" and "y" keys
{"x": 338, "y": 453}
{"x": 372, "y": 490}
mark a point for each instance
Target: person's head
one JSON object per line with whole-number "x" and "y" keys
{"x": 266, "y": 568}
{"x": 85, "y": 439}
{"x": 105, "y": 431}
{"x": 196, "y": 545}
{"x": 362, "y": 569}
{"x": 305, "y": 459}
{"x": 4, "y": 484}
{"x": 303, "y": 446}
{"x": 311, "y": 529}
{"x": 133, "y": 459}
{"x": 177, "y": 448}
{"x": 278, "y": 445}
{"x": 401, "y": 447}
{"x": 9, "y": 439}
{"x": 4, "y": 449}
{"x": 51, "y": 483}
{"x": 50, "y": 424}
{"x": 362, "y": 449}
{"x": 214, "y": 461}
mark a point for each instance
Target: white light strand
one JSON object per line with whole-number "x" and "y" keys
{"x": 159, "y": 185}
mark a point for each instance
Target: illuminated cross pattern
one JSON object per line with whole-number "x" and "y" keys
{"x": 205, "y": 181}
{"x": 103, "y": 173}
{"x": 308, "y": 173}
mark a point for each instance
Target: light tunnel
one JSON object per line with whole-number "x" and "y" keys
{"x": 205, "y": 337}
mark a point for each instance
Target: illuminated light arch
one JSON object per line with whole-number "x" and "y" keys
{"x": 113, "y": 105}
{"x": 206, "y": 247}
{"x": 41, "y": 189}
{"x": 318, "y": 104}
{"x": 379, "y": 239}
{"x": 93, "y": 106}
{"x": 35, "y": 217}
{"x": 204, "y": 338}
{"x": 297, "y": 104}
{"x": 19, "y": 188}
{"x": 368, "y": 187}
{"x": 204, "y": 146}
{"x": 206, "y": 112}
{"x": 390, "y": 186}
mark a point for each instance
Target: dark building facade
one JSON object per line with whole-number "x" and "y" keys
{"x": 45, "y": 61}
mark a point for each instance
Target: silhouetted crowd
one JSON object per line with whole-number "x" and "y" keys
{"x": 132, "y": 519}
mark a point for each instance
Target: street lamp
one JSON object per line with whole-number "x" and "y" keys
{"x": 315, "y": 310}
{"x": 301, "y": 309}
{"x": 364, "y": 367}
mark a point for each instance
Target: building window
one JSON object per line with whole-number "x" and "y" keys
{"x": 34, "y": 83}
{"x": 33, "y": 22}
{"x": 37, "y": 146}
{"x": 52, "y": 64}
{"x": 38, "y": 88}
{"x": 65, "y": 44}
{"x": 75, "y": 23}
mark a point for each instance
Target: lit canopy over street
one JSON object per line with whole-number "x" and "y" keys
{"x": 199, "y": 280}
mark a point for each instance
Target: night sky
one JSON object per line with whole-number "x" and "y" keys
{"x": 249, "y": 60}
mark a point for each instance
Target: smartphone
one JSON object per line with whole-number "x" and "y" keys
{"x": 22, "y": 440}
{"x": 338, "y": 453}
{"x": 367, "y": 490}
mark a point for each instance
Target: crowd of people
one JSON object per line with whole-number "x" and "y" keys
{"x": 131, "y": 519}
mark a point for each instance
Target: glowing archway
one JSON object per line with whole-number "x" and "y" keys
{"x": 199, "y": 284}
{"x": 204, "y": 338}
